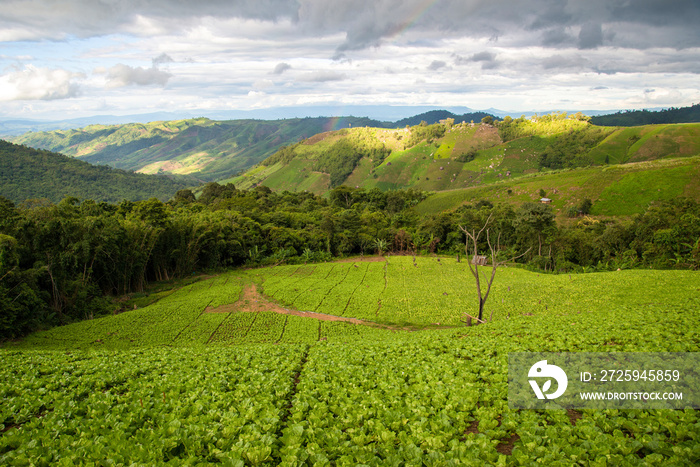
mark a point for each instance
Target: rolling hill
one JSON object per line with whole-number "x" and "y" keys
{"x": 27, "y": 173}
{"x": 620, "y": 168}
{"x": 206, "y": 149}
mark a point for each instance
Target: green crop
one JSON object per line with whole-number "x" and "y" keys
{"x": 177, "y": 383}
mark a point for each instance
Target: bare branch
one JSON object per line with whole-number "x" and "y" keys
{"x": 473, "y": 317}
{"x": 514, "y": 257}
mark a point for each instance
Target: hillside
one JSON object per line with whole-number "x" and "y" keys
{"x": 27, "y": 173}
{"x": 331, "y": 373}
{"x": 206, "y": 149}
{"x": 434, "y": 116}
{"x": 567, "y": 157}
{"x": 646, "y": 117}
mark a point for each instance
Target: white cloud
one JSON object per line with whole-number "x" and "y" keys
{"x": 322, "y": 76}
{"x": 121, "y": 75}
{"x": 34, "y": 83}
{"x": 281, "y": 68}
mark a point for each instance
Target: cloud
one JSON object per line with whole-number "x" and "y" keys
{"x": 562, "y": 62}
{"x": 322, "y": 76}
{"x": 590, "y": 37}
{"x": 42, "y": 19}
{"x": 436, "y": 65}
{"x": 121, "y": 75}
{"x": 34, "y": 83}
{"x": 483, "y": 57}
{"x": 369, "y": 23}
{"x": 162, "y": 58}
{"x": 557, "y": 36}
{"x": 281, "y": 68}
{"x": 487, "y": 60}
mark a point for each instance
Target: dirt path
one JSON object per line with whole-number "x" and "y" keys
{"x": 362, "y": 259}
{"x": 252, "y": 301}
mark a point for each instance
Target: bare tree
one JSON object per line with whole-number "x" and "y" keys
{"x": 473, "y": 238}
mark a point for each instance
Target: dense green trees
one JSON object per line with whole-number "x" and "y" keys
{"x": 647, "y": 117}
{"x": 27, "y": 173}
{"x": 62, "y": 262}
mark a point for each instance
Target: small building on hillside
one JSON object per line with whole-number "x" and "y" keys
{"x": 545, "y": 201}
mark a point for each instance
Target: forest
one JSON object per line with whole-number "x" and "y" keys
{"x": 648, "y": 117}
{"x": 27, "y": 173}
{"x": 70, "y": 261}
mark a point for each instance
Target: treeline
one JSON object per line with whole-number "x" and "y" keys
{"x": 434, "y": 116}
{"x": 647, "y": 117}
{"x": 27, "y": 173}
{"x": 64, "y": 262}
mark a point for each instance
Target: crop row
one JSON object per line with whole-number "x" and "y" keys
{"x": 144, "y": 407}
{"x": 430, "y": 398}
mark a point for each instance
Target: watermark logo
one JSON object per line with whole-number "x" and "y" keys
{"x": 542, "y": 370}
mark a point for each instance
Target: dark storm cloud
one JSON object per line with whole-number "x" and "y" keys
{"x": 39, "y": 19}
{"x": 369, "y": 23}
{"x": 591, "y": 36}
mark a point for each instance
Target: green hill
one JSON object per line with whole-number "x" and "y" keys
{"x": 27, "y": 173}
{"x": 620, "y": 169}
{"x": 647, "y": 117}
{"x": 211, "y": 374}
{"x": 206, "y": 149}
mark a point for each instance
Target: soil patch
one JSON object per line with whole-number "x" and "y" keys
{"x": 252, "y": 301}
{"x": 362, "y": 259}
{"x": 574, "y": 416}
{"x": 506, "y": 445}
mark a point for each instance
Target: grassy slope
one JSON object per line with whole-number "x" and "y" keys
{"x": 617, "y": 190}
{"x": 498, "y": 167}
{"x": 377, "y": 293}
{"x": 210, "y": 150}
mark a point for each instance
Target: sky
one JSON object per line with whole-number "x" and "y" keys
{"x": 76, "y": 58}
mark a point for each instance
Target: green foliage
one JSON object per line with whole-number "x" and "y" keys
{"x": 539, "y": 125}
{"x": 647, "y": 117}
{"x": 339, "y": 161}
{"x": 468, "y": 156}
{"x": 27, "y": 173}
{"x": 284, "y": 155}
{"x": 434, "y": 116}
{"x": 308, "y": 391}
{"x": 570, "y": 149}
{"x": 425, "y": 132}
{"x": 207, "y": 149}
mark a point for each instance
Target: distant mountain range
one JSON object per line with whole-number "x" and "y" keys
{"x": 383, "y": 113}
{"x": 206, "y": 150}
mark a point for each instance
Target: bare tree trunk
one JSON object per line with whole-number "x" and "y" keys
{"x": 474, "y": 237}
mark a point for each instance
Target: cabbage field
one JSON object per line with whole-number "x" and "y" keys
{"x": 346, "y": 363}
